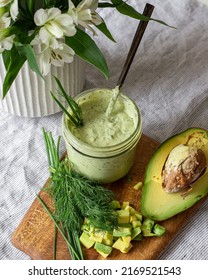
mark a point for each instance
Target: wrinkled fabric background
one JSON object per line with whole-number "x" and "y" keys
{"x": 168, "y": 80}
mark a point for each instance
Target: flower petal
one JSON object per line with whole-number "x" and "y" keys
{"x": 64, "y": 20}
{"x": 14, "y": 10}
{"x": 42, "y": 16}
{"x": 88, "y": 4}
{"x": 85, "y": 15}
{"x": 44, "y": 62}
{"x": 60, "y": 56}
{"x": 55, "y": 29}
{"x": 61, "y": 25}
{"x": 48, "y": 39}
{"x": 3, "y": 3}
{"x": 96, "y": 19}
{"x": 70, "y": 5}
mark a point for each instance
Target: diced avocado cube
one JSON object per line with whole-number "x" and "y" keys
{"x": 103, "y": 249}
{"x": 92, "y": 229}
{"x": 126, "y": 250}
{"x": 136, "y": 231}
{"x": 138, "y": 237}
{"x": 97, "y": 236}
{"x": 108, "y": 239}
{"x": 123, "y": 216}
{"x": 139, "y": 216}
{"x": 147, "y": 227}
{"x": 102, "y": 254}
{"x": 147, "y": 233}
{"x": 121, "y": 245}
{"x": 128, "y": 225}
{"x": 158, "y": 230}
{"x": 85, "y": 227}
{"x": 126, "y": 240}
{"x": 115, "y": 204}
{"x": 132, "y": 211}
{"x": 132, "y": 218}
{"x": 125, "y": 204}
{"x": 121, "y": 231}
{"x": 148, "y": 224}
{"x": 138, "y": 186}
{"x": 86, "y": 241}
{"x": 136, "y": 224}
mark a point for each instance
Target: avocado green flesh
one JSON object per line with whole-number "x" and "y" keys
{"x": 159, "y": 205}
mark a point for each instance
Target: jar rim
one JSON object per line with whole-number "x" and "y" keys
{"x": 109, "y": 149}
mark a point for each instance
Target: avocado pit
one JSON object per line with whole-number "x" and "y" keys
{"x": 184, "y": 165}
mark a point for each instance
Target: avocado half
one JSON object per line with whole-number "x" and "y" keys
{"x": 155, "y": 202}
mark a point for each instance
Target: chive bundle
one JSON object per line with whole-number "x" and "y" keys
{"x": 75, "y": 198}
{"x": 76, "y": 116}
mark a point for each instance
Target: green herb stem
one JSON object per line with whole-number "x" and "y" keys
{"x": 76, "y": 114}
{"x": 58, "y": 227}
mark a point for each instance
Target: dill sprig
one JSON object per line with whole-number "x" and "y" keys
{"x": 76, "y": 198}
{"x": 76, "y": 113}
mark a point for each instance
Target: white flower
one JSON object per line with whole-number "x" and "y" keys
{"x": 50, "y": 39}
{"x": 56, "y": 23}
{"x": 7, "y": 43}
{"x": 14, "y": 10}
{"x": 5, "y": 2}
{"x": 47, "y": 56}
{"x": 4, "y": 22}
{"x": 84, "y": 14}
{"x": 6, "y": 40}
{"x": 13, "y": 7}
{"x": 44, "y": 37}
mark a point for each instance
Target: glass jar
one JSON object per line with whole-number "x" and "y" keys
{"x": 105, "y": 164}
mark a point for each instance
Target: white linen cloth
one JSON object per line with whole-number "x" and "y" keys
{"x": 168, "y": 80}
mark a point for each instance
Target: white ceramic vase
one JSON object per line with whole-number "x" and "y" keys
{"x": 29, "y": 95}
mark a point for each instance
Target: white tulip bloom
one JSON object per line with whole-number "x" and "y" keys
{"x": 84, "y": 14}
{"x": 48, "y": 56}
{"x": 56, "y": 23}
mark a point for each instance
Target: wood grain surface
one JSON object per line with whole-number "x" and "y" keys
{"x": 34, "y": 234}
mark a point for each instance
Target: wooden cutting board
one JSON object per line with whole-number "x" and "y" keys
{"x": 34, "y": 234}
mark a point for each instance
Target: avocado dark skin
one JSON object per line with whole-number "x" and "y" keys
{"x": 176, "y": 176}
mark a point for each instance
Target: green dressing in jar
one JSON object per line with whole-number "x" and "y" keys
{"x": 104, "y": 147}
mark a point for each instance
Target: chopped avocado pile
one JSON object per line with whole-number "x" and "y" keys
{"x": 131, "y": 227}
{"x": 176, "y": 176}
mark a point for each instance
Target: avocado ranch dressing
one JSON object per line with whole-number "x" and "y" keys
{"x": 104, "y": 147}
{"x": 107, "y": 119}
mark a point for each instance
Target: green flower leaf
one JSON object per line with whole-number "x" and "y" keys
{"x": 15, "y": 64}
{"x": 27, "y": 51}
{"x": 6, "y": 58}
{"x": 104, "y": 29}
{"x": 87, "y": 49}
{"x": 30, "y": 6}
{"x": 128, "y": 10}
{"x": 106, "y": 5}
